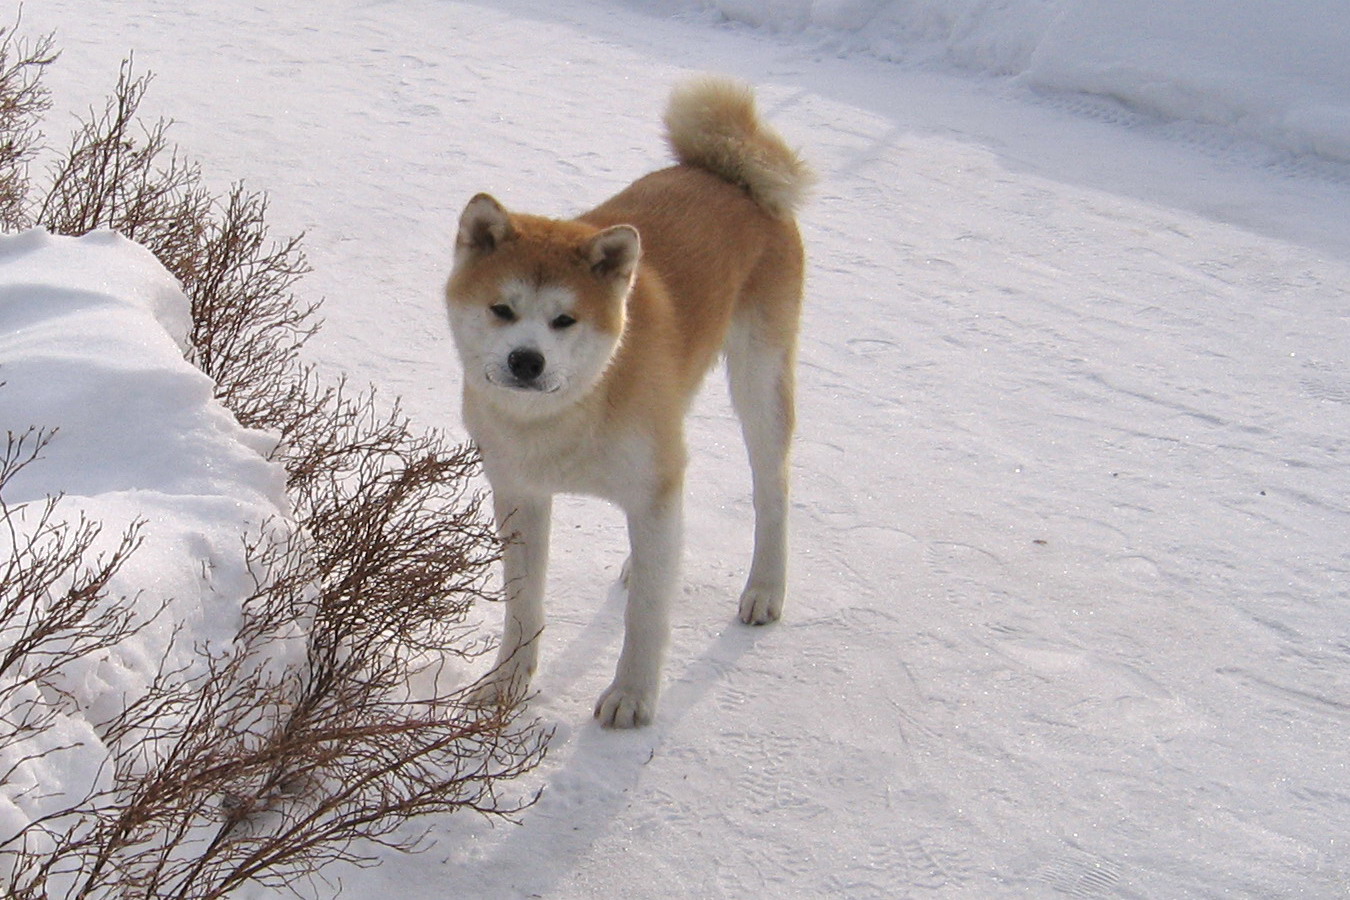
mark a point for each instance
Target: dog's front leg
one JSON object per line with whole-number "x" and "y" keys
{"x": 654, "y": 534}
{"x": 523, "y": 523}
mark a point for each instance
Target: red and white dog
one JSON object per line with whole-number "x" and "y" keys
{"x": 584, "y": 342}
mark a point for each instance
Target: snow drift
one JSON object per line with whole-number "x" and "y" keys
{"x": 1262, "y": 69}
{"x": 92, "y": 333}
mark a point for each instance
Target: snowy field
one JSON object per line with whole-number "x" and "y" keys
{"x": 1069, "y": 610}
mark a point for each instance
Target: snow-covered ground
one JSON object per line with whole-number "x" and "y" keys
{"x": 92, "y": 334}
{"x": 1069, "y": 610}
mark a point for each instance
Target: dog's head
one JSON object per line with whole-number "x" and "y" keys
{"x": 537, "y": 306}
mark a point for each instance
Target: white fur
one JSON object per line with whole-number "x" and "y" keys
{"x": 575, "y": 357}
{"x": 528, "y": 462}
{"x": 760, "y": 377}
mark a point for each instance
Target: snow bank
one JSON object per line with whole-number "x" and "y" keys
{"x": 92, "y": 332}
{"x": 1276, "y": 72}
{"x": 1273, "y": 71}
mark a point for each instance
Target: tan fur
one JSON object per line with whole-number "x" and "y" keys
{"x": 546, "y": 250}
{"x": 711, "y": 123}
{"x": 720, "y": 268}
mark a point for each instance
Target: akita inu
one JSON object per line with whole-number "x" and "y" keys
{"x": 584, "y": 342}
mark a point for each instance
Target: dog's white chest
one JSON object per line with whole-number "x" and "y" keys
{"x": 564, "y": 455}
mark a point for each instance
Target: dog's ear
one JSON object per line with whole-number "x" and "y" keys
{"x": 483, "y": 227}
{"x": 613, "y": 254}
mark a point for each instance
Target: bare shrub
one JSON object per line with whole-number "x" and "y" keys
{"x": 249, "y": 764}
{"x": 23, "y": 100}
{"x": 51, "y": 606}
{"x": 247, "y": 325}
{"x": 247, "y": 770}
{"x": 120, "y": 174}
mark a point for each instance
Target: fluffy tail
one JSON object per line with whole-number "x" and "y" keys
{"x": 711, "y": 123}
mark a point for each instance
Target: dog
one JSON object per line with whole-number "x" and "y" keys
{"x": 584, "y": 342}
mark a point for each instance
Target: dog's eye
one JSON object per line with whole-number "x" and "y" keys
{"x": 563, "y": 321}
{"x": 503, "y": 312}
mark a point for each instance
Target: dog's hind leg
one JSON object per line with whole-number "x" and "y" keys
{"x": 524, "y": 527}
{"x": 760, "y": 373}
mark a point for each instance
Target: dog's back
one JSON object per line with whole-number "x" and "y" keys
{"x": 724, "y": 271}
{"x": 718, "y": 228}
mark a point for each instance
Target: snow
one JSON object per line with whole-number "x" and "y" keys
{"x": 1275, "y": 72}
{"x": 92, "y": 332}
{"x": 1069, "y": 609}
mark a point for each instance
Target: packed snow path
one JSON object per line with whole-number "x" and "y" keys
{"x": 1069, "y": 582}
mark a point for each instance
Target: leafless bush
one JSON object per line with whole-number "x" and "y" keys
{"x": 251, "y": 763}
{"x": 51, "y": 608}
{"x": 247, "y": 323}
{"x": 23, "y": 100}
{"x": 120, "y": 174}
{"x": 251, "y": 771}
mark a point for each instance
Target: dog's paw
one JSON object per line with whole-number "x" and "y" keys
{"x": 502, "y": 687}
{"x": 761, "y": 605}
{"x": 620, "y": 707}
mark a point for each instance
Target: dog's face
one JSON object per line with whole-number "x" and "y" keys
{"x": 537, "y": 306}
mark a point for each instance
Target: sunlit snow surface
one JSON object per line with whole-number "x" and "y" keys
{"x": 1068, "y": 611}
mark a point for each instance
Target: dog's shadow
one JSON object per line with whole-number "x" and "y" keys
{"x": 596, "y": 771}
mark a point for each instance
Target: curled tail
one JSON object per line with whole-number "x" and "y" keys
{"x": 711, "y": 123}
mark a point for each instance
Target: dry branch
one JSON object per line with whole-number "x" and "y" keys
{"x": 23, "y": 100}
{"x": 257, "y": 762}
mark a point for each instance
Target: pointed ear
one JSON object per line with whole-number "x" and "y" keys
{"x": 614, "y": 253}
{"x": 483, "y": 227}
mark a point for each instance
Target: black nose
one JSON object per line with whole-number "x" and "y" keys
{"x": 527, "y": 365}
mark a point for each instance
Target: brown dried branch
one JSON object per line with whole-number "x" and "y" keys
{"x": 247, "y": 324}
{"x": 23, "y": 100}
{"x": 122, "y": 175}
{"x": 260, "y": 761}
{"x": 52, "y": 609}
